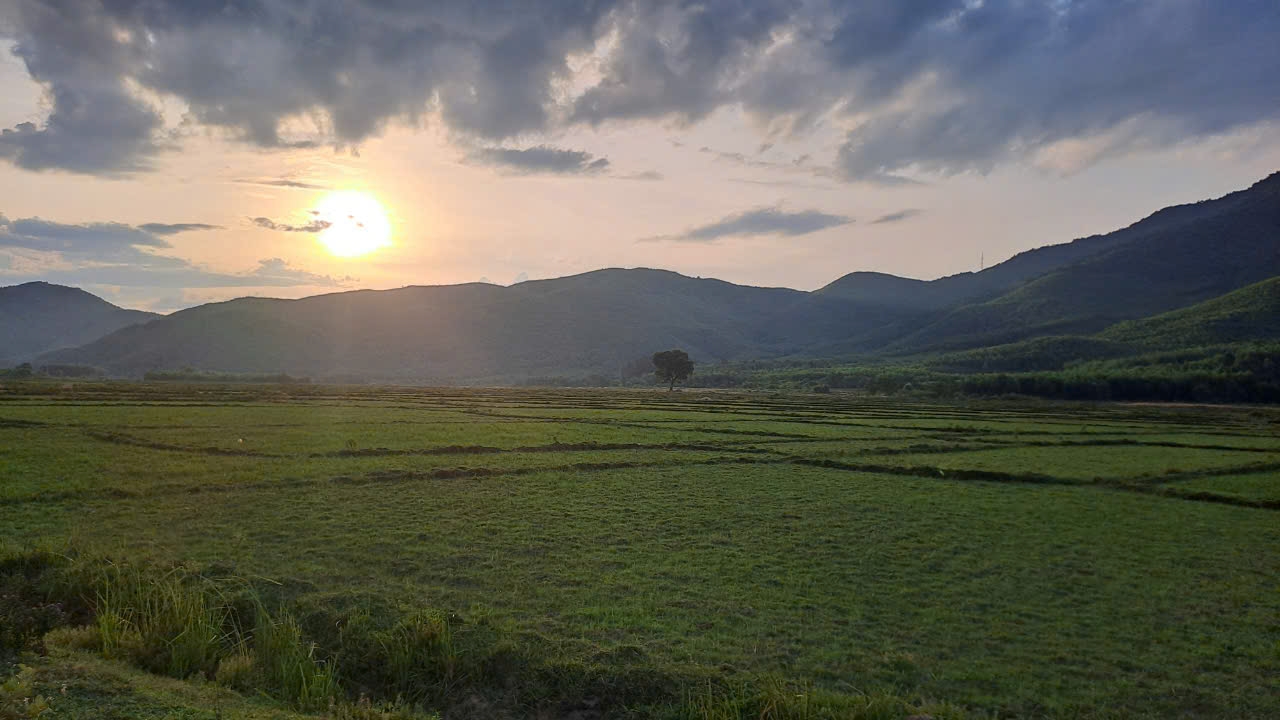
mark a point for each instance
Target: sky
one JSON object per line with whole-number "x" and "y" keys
{"x": 166, "y": 153}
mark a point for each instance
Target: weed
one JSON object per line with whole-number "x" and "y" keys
{"x": 421, "y": 660}
{"x": 289, "y": 667}
{"x": 237, "y": 671}
{"x": 76, "y": 637}
{"x": 19, "y": 699}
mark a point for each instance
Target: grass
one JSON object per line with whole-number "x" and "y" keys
{"x": 1259, "y": 486}
{"x": 499, "y": 553}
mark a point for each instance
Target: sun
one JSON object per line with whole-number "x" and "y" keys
{"x": 357, "y": 222}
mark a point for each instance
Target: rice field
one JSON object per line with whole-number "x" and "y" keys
{"x": 995, "y": 559}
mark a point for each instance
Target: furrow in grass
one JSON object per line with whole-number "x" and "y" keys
{"x": 551, "y": 447}
{"x": 122, "y": 439}
{"x": 372, "y": 478}
{"x": 1114, "y": 442}
{"x": 1250, "y": 469}
{"x": 936, "y": 472}
{"x": 1212, "y": 497}
{"x": 1038, "y": 479}
{"x": 6, "y": 423}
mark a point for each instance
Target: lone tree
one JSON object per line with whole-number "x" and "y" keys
{"x": 671, "y": 367}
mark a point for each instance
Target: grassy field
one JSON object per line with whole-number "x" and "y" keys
{"x": 648, "y": 554}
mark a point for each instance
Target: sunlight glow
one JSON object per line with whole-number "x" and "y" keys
{"x": 358, "y": 224}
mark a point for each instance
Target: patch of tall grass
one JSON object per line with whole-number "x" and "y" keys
{"x": 174, "y": 623}
{"x": 180, "y": 623}
{"x": 421, "y": 659}
{"x": 289, "y": 666}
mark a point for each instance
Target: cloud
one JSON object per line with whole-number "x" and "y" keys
{"x": 998, "y": 82}
{"x": 648, "y": 175}
{"x": 313, "y": 226}
{"x": 175, "y": 228}
{"x": 104, "y": 240}
{"x": 785, "y": 183}
{"x": 279, "y": 272}
{"x": 108, "y": 253}
{"x": 539, "y": 159}
{"x": 915, "y": 86}
{"x": 286, "y": 183}
{"x": 96, "y": 125}
{"x": 898, "y": 216}
{"x": 761, "y": 221}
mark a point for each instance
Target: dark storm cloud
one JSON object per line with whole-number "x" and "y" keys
{"x": 680, "y": 60}
{"x": 761, "y": 221}
{"x": 95, "y": 125}
{"x": 540, "y": 159}
{"x": 107, "y": 253}
{"x": 937, "y": 86}
{"x": 1010, "y": 79}
{"x": 898, "y": 216}
{"x": 313, "y": 226}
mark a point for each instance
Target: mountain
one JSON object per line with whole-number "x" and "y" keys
{"x": 1248, "y": 314}
{"x": 1175, "y": 258}
{"x": 599, "y": 322}
{"x": 38, "y": 317}
{"x": 596, "y": 321}
{"x": 878, "y": 288}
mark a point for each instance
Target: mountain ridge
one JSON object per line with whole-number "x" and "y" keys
{"x": 602, "y": 320}
{"x": 38, "y": 317}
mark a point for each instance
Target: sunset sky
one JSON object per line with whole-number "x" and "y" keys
{"x": 164, "y": 153}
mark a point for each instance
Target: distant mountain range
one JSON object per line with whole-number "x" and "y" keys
{"x": 38, "y": 317}
{"x": 599, "y": 322}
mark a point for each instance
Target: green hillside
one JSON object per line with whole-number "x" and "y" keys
{"x": 1189, "y": 257}
{"x": 1044, "y": 353}
{"x": 1249, "y": 314}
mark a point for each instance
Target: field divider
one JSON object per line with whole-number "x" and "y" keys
{"x": 1123, "y": 485}
{"x": 549, "y": 448}
{"x": 937, "y": 472}
{"x": 1124, "y": 442}
{"x": 133, "y": 441}
{"x": 375, "y": 477}
{"x": 130, "y": 440}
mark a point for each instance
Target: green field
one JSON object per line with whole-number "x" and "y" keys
{"x": 638, "y": 548}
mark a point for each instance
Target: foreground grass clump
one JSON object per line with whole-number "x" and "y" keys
{"x": 173, "y": 622}
{"x": 20, "y": 699}
{"x": 181, "y": 624}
